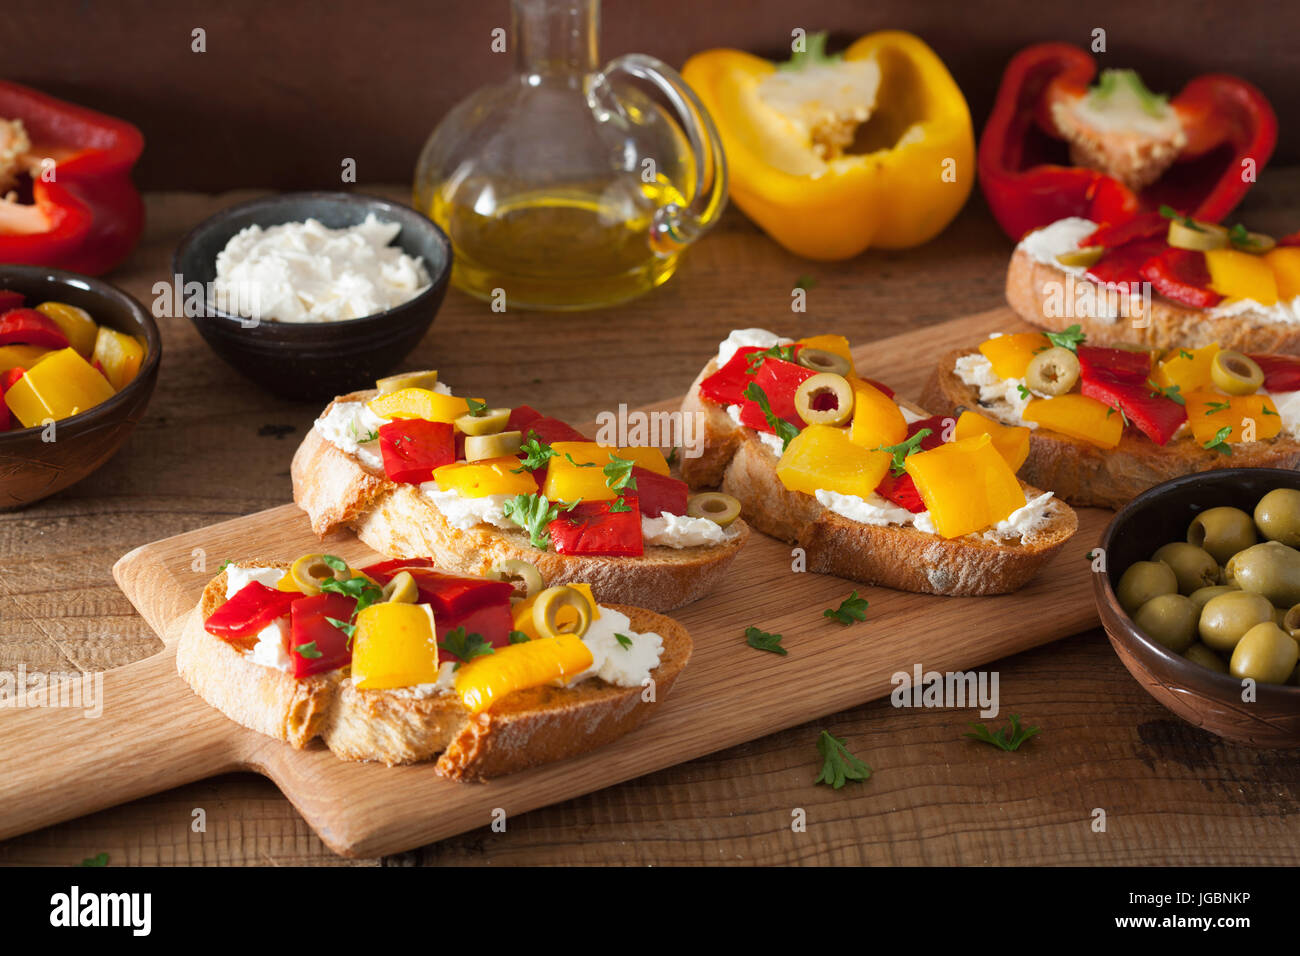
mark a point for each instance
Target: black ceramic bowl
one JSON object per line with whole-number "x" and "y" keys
{"x": 316, "y": 360}
{"x": 32, "y": 468}
{"x": 1197, "y": 694}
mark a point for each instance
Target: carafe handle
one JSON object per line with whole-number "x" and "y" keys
{"x": 674, "y": 226}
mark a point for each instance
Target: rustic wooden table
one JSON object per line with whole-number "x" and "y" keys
{"x": 212, "y": 447}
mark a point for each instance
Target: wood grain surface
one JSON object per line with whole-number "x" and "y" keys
{"x": 213, "y": 448}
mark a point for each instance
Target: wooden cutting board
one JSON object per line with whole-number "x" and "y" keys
{"x": 154, "y": 733}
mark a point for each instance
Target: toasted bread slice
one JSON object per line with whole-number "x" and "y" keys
{"x": 1084, "y": 474}
{"x": 1165, "y": 325}
{"x": 893, "y": 556}
{"x": 522, "y": 730}
{"x": 336, "y": 489}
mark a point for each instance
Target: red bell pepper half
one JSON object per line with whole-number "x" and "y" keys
{"x": 1030, "y": 181}
{"x": 315, "y": 645}
{"x": 29, "y": 327}
{"x": 658, "y": 494}
{"x": 413, "y": 448}
{"x": 249, "y": 610}
{"x": 87, "y": 215}
{"x": 1281, "y": 372}
{"x": 901, "y": 490}
{"x": 592, "y": 528}
{"x": 1181, "y": 275}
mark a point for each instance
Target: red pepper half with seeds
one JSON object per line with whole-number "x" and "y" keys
{"x": 1064, "y": 141}
{"x": 66, "y": 196}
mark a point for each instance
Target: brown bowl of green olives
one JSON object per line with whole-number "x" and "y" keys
{"x": 1199, "y": 593}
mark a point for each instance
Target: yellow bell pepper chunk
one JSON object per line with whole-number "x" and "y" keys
{"x": 1188, "y": 369}
{"x": 825, "y": 458}
{"x": 58, "y": 386}
{"x": 1285, "y": 263}
{"x": 522, "y": 612}
{"x": 486, "y": 679}
{"x": 76, "y": 323}
{"x": 912, "y": 167}
{"x": 1246, "y": 416}
{"x": 1079, "y": 417}
{"x": 394, "y": 645}
{"x": 419, "y": 403}
{"x": 1010, "y": 355}
{"x": 20, "y": 356}
{"x": 584, "y": 476}
{"x": 1239, "y": 275}
{"x": 1011, "y": 441}
{"x": 877, "y": 419}
{"x": 492, "y": 476}
{"x": 119, "y": 355}
{"x": 966, "y": 485}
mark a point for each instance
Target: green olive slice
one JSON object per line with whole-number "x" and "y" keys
{"x": 311, "y": 570}
{"x": 1053, "y": 371}
{"x": 395, "y": 383}
{"x": 1235, "y": 373}
{"x": 480, "y": 447}
{"x": 548, "y": 605}
{"x": 824, "y": 399}
{"x": 719, "y": 508}
{"x": 488, "y": 422}
{"x": 819, "y": 360}
{"x": 1083, "y": 258}
{"x": 1256, "y": 243}
{"x": 519, "y": 572}
{"x": 401, "y": 589}
{"x": 1201, "y": 236}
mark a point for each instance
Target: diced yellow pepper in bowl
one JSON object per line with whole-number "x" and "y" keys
{"x": 60, "y": 385}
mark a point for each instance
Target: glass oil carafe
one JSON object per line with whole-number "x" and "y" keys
{"x": 566, "y": 186}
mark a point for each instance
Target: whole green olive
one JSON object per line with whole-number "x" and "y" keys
{"x": 1270, "y": 569}
{"x": 1278, "y": 516}
{"x": 1170, "y": 620}
{"x": 1225, "y": 618}
{"x": 1291, "y": 621}
{"x": 1192, "y": 566}
{"x": 1143, "y": 580}
{"x": 1265, "y": 653}
{"x": 1222, "y": 532}
{"x": 1201, "y": 595}
{"x": 1198, "y": 653}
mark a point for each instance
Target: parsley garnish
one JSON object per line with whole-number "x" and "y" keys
{"x": 618, "y": 473}
{"x": 852, "y": 608}
{"x": 901, "y": 451}
{"x": 618, "y": 505}
{"x": 1183, "y": 353}
{"x": 309, "y": 650}
{"x": 519, "y": 637}
{"x": 784, "y": 430}
{"x": 1172, "y": 392}
{"x": 465, "y": 646}
{"x": 805, "y": 282}
{"x": 1219, "y": 442}
{"x": 477, "y": 409}
{"x": 99, "y": 859}
{"x": 1213, "y": 407}
{"x": 1070, "y": 339}
{"x": 1008, "y": 738}
{"x": 624, "y": 641}
{"x": 1269, "y": 411}
{"x": 225, "y": 564}
{"x": 1024, "y": 392}
{"x": 362, "y": 439}
{"x": 349, "y": 629}
{"x": 533, "y": 513}
{"x": 762, "y": 641}
{"x": 1169, "y": 212}
{"x": 536, "y": 453}
{"x": 568, "y": 456}
{"x": 784, "y": 353}
{"x": 671, "y": 457}
{"x": 838, "y": 765}
{"x": 362, "y": 590}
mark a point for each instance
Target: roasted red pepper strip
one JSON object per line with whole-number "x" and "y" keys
{"x": 658, "y": 494}
{"x": 551, "y": 430}
{"x": 1025, "y": 171}
{"x": 901, "y": 490}
{"x": 249, "y": 610}
{"x": 478, "y": 605}
{"x": 1122, "y": 266}
{"x": 592, "y": 528}
{"x": 93, "y": 213}
{"x": 1155, "y": 416}
{"x": 1149, "y": 225}
{"x": 315, "y": 645}
{"x": 29, "y": 327}
{"x": 1181, "y": 275}
{"x": 779, "y": 381}
{"x": 10, "y": 300}
{"x": 1113, "y": 365}
{"x": 413, "y": 447}
{"x": 1281, "y": 372}
{"x": 724, "y": 387}
{"x": 520, "y": 417}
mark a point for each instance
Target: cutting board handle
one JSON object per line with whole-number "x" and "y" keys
{"x": 119, "y": 735}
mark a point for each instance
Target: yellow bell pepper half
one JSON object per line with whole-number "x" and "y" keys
{"x": 911, "y": 163}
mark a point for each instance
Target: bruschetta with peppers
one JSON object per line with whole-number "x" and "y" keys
{"x": 416, "y": 471}
{"x": 1162, "y": 280}
{"x": 401, "y": 662}
{"x": 870, "y": 487}
{"x": 1108, "y": 423}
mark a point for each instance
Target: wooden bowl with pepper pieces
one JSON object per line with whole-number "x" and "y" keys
{"x": 88, "y": 355}
{"x": 1214, "y": 701}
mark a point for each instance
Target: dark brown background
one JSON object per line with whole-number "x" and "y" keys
{"x": 288, "y": 88}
